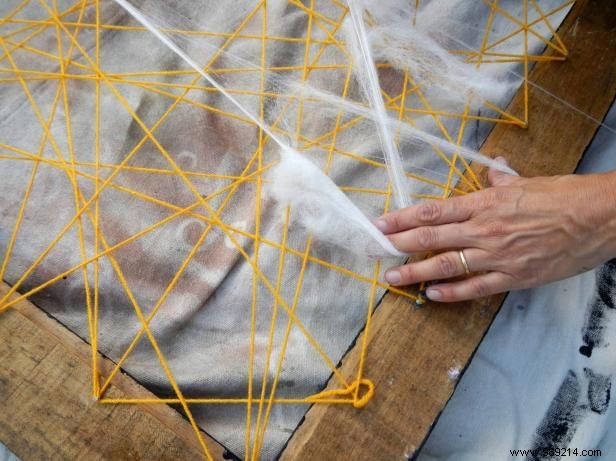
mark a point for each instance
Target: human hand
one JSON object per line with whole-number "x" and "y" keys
{"x": 518, "y": 233}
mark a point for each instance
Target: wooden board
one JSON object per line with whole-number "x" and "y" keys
{"x": 47, "y": 410}
{"x": 410, "y": 350}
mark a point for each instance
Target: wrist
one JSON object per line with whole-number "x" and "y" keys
{"x": 604, "y": 199}
{"x": 590, "y": 204}
{"x": 610, "y": 188}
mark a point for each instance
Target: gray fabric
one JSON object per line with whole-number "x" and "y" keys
{"x": 203, "y": 327}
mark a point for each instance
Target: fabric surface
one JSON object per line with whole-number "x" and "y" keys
{"x": 203, "y": 327}
{"x": 543, "y": 376}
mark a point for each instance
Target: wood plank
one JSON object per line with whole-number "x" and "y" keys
{"x": 411, "y": 350}
{"x": 46, "y": 407}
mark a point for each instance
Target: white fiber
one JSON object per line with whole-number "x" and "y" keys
{"x": 519, "y": 78}
{"x": 436, "y": 70}
{"x": 407, "y": 131}
{"x": 359, "y": 46}
{"x": 325, "y": 210}
{"x": 377, "y": 114}
{"x": 169, "y": 43}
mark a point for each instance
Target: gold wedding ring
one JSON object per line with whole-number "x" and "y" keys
{"x": 464, "y": 263}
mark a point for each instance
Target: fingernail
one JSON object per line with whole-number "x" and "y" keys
{"x": 392, "y": 277}
{"x": 501, "y": 159}
{"x": 434, "y": 294}
{"x": 381, "y": 225}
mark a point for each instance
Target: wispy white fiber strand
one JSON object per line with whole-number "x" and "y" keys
{"x": 393, "y": 161}
{"x": 406, "y": 130}
{"x": 538, "y": 87}
{"x": 140, "y": 17}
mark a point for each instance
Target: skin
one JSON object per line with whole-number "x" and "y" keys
{"x": 518, "y": 233}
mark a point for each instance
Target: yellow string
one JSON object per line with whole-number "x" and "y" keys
{"x": 97, "y": 136}
{"x": 272, "y": 331}
{"x": 172, "y": 284}
{"x": 255, "y": 281}
{"x": 353, "y": 389}
{"x": 283, "y": 347}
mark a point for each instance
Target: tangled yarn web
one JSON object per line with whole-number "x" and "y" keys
{"x": 189, "y": 185}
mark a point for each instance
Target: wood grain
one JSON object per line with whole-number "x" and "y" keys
{"x": 411, "y": 350}
{"x": 46, "y": 407}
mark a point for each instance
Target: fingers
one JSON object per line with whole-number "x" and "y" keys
{"x": 443, "y": 266}
{"x": 433, "y": 212}
{"x": 432, "y": 238}
{"x": 479, "y": 286}
{"x": 437, "y": 212}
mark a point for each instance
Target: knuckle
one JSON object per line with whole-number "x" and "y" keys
{"x": 527, "y": 270}
{"x": 446, "y": 266}
{"x": 428, "y": 212}
{"x": 501, "y": 261}
{"x": 406, "y": 274}
{"x": 487, "y": 199}
{"x": 427, "y": 238}
{"x": 395, "y": 222}
{"x": 479, "y": 287}
{"x": 495, "y": 229}
{"x": 501, "y": 195}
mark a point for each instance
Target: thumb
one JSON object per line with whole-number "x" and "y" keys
{"x": 497, "y": 177}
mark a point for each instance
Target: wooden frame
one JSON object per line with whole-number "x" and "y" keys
{"x": 46, "y": 410}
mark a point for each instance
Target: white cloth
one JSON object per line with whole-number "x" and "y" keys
{"x": 542, "y": 376}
